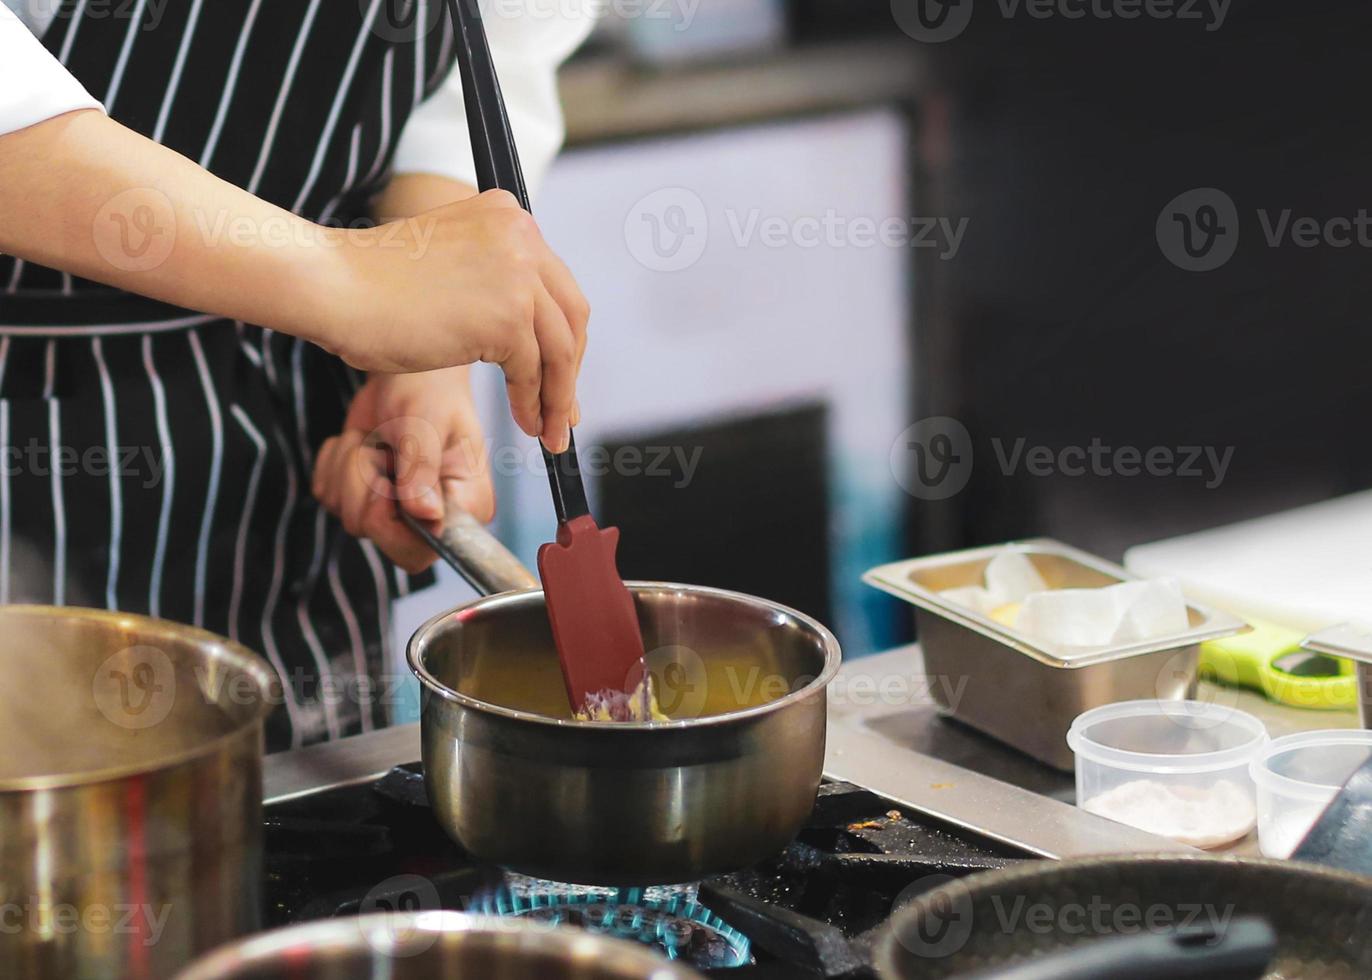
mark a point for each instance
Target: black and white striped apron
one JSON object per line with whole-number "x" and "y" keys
{"x": 157, "y": 461}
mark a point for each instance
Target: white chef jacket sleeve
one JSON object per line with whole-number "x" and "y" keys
{"x": 33, "y": 84}
{"x": 529, "y": 40}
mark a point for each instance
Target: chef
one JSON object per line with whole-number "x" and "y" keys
{"x": 241, "y": 239}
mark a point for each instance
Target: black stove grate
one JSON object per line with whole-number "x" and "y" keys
{"x": 811, "y": 911}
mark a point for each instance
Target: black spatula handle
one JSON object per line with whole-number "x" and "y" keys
{"x": 497, "y": 168}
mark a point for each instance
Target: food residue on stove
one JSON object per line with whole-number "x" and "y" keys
{"x": 892, "y": 816}
{"x": 610, "y": 705}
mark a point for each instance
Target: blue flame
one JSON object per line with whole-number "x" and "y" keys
{"x": 507, "y": 901}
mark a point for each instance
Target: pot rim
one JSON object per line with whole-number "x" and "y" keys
{"x": 832, "y": 662}
{"x": 249, "y": 663}
{"x": 409, "y": 933}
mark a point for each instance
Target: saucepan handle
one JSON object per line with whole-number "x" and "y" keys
{"x": 464, "y": 543}
{"x": 474, "y": 552}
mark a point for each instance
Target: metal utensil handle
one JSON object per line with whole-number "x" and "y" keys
{"x": 474, "y": 553}
{"x": 497, "y": 168}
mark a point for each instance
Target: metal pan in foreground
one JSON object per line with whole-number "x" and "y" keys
{"x": 425, "y": 945}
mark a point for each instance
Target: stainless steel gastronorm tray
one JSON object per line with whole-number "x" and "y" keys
{"x": 1353, "y": 642}
{"x": 1023, "y": 690}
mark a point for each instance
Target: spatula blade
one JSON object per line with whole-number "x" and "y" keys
{"x": 595, "y": 625}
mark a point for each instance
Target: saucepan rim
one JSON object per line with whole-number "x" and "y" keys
{"x": 832, "y": 661}
{"x": 240, "y": 656}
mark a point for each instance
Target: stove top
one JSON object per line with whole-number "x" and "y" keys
{"x": 811, "y": 911}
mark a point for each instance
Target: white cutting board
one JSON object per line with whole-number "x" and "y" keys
{"x": 1305, "y": 569}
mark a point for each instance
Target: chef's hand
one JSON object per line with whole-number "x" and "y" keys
{"x": 430, "y": 421}
{"x": 470, "y": 281}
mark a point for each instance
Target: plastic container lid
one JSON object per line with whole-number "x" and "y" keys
{"x": 1325, "y": 772}
{"x": 1167, "y": 736}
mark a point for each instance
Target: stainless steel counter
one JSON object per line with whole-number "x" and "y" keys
{"x": 350, "y": 760}
{"x": 886, "y": 734}
{"x": 905, "y": 749}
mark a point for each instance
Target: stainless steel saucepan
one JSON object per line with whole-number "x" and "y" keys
{"x": 727, "y": 781}
{"x": 130, "y": 792}
{"x": 432, "y": 946}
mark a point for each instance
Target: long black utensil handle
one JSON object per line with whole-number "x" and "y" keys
{"x": 497, "y": 168}
{"x": 1243, "y": 951}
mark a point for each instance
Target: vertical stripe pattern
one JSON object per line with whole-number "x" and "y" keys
{"x": 59, "y": 506}
{"x": 107, "y": 397}
{"x": 164, "y": 437}
{"x": 202, "y": 548}
{"x": 171, "y": 463}
{"x": 5, "y": 505}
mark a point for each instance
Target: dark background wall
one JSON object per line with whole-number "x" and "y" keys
{"x": 1060, "y": 320}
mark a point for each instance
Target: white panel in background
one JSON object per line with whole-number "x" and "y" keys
{"x": 698, "y": 316}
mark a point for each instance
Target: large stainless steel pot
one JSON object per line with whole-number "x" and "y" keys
{"x": 130, "y": 792}
{"x": 516, "y": 781}
{"x": 432, "y": 946}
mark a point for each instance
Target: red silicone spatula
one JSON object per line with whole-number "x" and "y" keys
{"x": 592, "y": 613}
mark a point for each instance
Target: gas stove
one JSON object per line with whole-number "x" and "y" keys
{"x": 810, "y": 911}
{"x": 909, "y": 800}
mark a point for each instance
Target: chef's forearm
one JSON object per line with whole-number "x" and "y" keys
{"x": 84, "y": 194}
{"x": 409, "y": 194}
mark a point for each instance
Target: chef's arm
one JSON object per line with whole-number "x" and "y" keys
{"x": 82, "y": 193}
{"x": 470, "y": 281}
{"x": 406, "y": 195}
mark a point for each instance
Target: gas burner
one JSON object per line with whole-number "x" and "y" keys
{"x": 668, "y": 919}
{"x": 809, "y": 912}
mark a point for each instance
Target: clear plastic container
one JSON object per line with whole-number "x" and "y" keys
{"x": 1179, "y": 769}
{"x": 1297, "y": 776}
